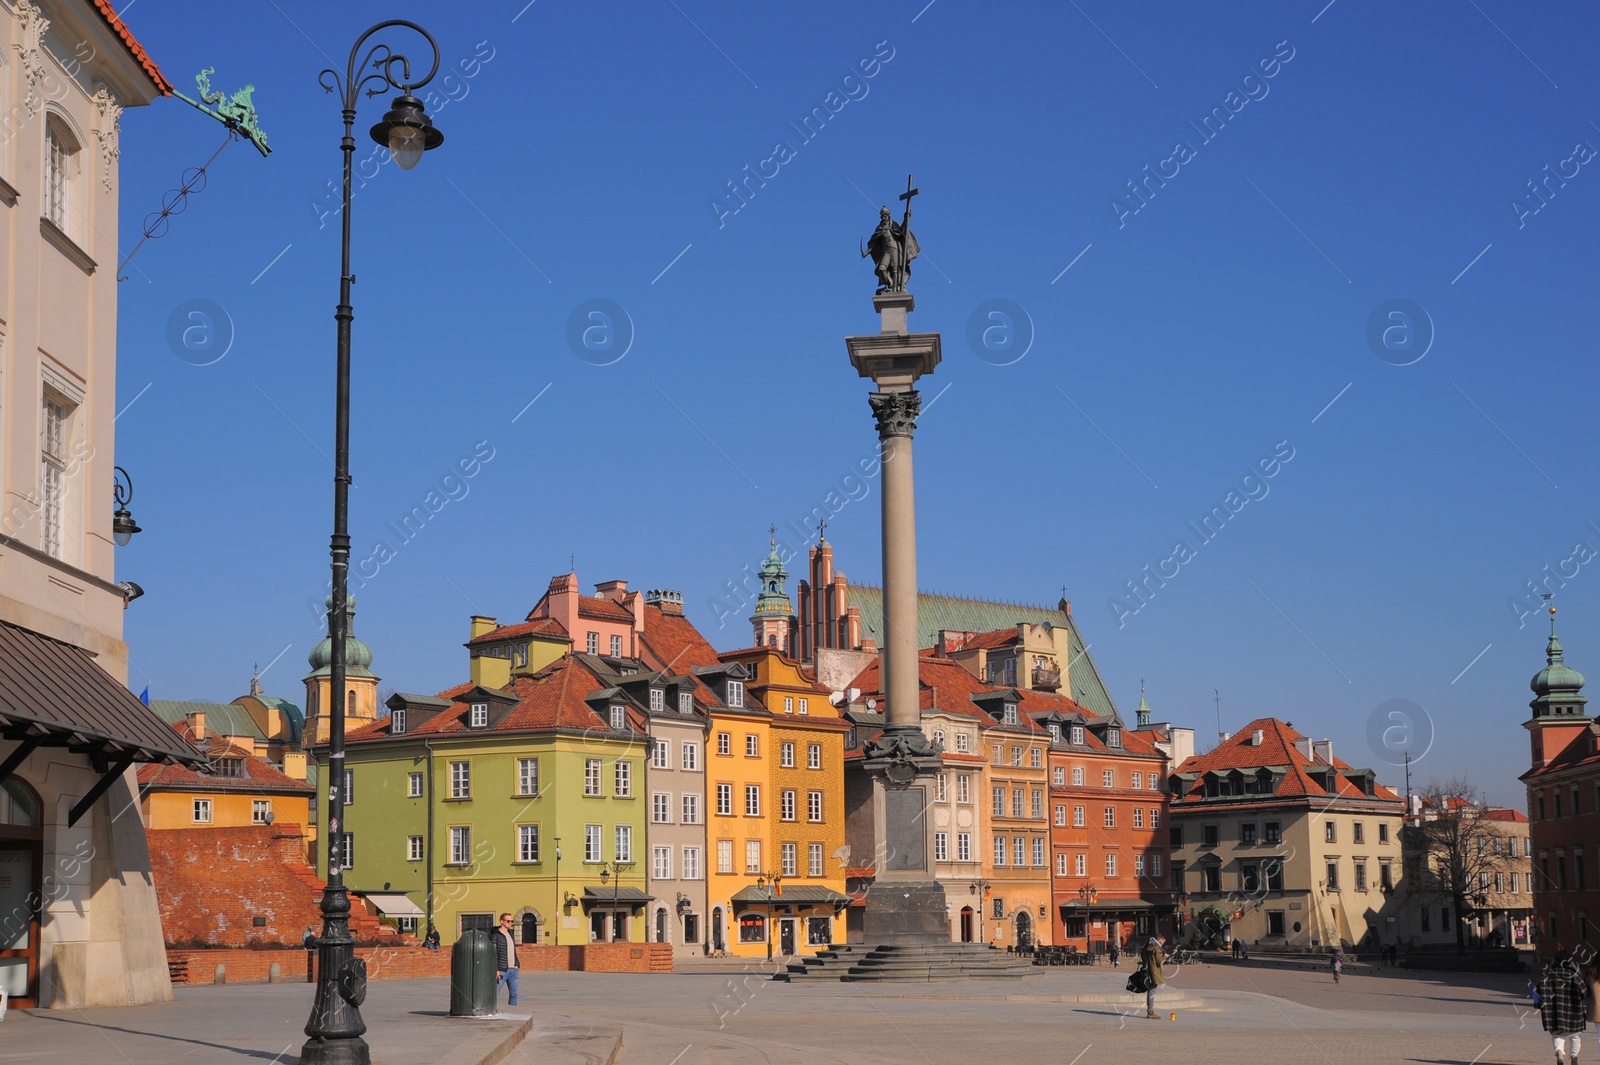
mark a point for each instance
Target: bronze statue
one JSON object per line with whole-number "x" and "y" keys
{"x": 893, "y": 246}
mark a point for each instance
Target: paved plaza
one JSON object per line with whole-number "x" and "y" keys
{"x": 706, "y": 1017}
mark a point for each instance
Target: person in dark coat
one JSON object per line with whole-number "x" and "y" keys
{"x": 505, "y": 959}
{"x": 1150, "y": 960}
{"x": 1115, "y": 952}
{"x": 1563, "y": 1001}
{"x": 431, "y": 940}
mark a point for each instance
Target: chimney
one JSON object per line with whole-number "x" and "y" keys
{"x": 561, "y": 603}
{"x": 482, "y": 626}
{"x": 1323, "y": 749}
{"x": 1303, "y": 745}
{"x": 197, "y": 724}
{"x": 1222, "y": 737}
{"x": 1256, "y": 737}
{"x": 669, "y": 601}
{"x": 612, "y": 590}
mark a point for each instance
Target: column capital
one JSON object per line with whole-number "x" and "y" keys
{"x": 896, "y": 412}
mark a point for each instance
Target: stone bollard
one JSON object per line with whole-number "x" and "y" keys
{"x": 221, "y": 976}
{"x": 275, "y": 974}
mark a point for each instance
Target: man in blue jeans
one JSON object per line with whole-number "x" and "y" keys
{"x": 505, "y": 959}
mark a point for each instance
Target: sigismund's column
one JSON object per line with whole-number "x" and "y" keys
{"x": 905, "y": 904}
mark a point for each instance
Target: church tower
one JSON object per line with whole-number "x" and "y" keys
{"x": 361, "y": 684}
{"x": 1558, "y": 707}
{"x": 774, "y": 619}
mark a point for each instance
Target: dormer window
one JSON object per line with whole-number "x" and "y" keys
{"x": 1008, "y": 713}
{"x": 658, "y": 700}
{"x": 619, "y": 717}
{"x": 1055, "y": 732}
{"x": 397, "y": 722}
{"x": 735, "y": 693}
{"x": 480, "y": 716}
{"x": 1113, "y": 737}
{"x": 1077, "y": 734}
{"x": 616, "y": 647}
{"x": 685, "y": 702}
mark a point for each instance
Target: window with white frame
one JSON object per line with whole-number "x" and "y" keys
{"x": 349, "y": 787}
{"x": 1077, "y": 776}
{"x": 1077, "y": 817}
{"x": 592, "y": 841}
{"x": 624, "y": 841}
{"x": 752, "y": 856}
{"x": 1111, "y": 817}
{"x": 527, "y": 776}
{"x": 658, "y": 700}
{"x": 1008, "y": 713}
{"x": 345, "y": 851}
{"x": 814, "y": 756}
{"x": 1155, "y": 818}
{"x": 814, "y": 807}
{"x": 941, "y": 846}
{"x": 1138, "y": 817}
{"x": 1038, "y": 850}
{"x": 999, "y": 754}
{"x": 1108, "y": 777}
{"x": 624, "y": 775}
{"x": 1111, "y": 865}
{"x": 619, "y": 718}
{"x": 1036, "y": 757}
{"x": 1138, "y": 780}
{"x": 1138, "y": 865}
{"x": 786, "y": 755}
{"x": 787, "y": 804}
{"x": 1019, "y": 852}
{"x": 1055, "y": 732}
{"x": 805, "y": 706}
{"x": 691, "y": 808}
{"x": 735, "y": 693}
{"x": 1113, "y": 737}
{"x": 691, "y": 755}
{"x": 1155, "y": 865}
{"x": 479, "y": 716}
{"x": 62, "y": 163}
{"x": 461, "y": 780}
{"x": 616, "y": 647}
{"x": 691, "y": 863}
{"x": 963, "y": 846}
{"x": 1059, "y": 776}
{"x": 789, "y": 856}
{"x": 55, "y": 431}
{"x": 788, "y": 704}
{"x": 202, "y": 811}
{"x": 1061, "y": 865}
{"x": 961, "y": 742}
{"x": 1038, "y": 803}
{"x": 1076, "y": 734}
{"x": 941, "y": 788}
{"x": 1016, "y": 756}
{"x": 413, "y": 848}
{"x": 527, "y": 843}
{"x": 660, "y": 752}
{"x": 397, "y": 722}
{"x": 752, "y": 800}
{"x": 999, "y": 850}
{"x": 413, "y": 785}
{"x": 1152, "y": 782}
{"x": 661, "y": 808}
{"x": 1016, "y": 802}
{"x": 752, "y": 745}
{"x": 661, "y": 863}
{"x": 724, "y": 856}
{"x": 724, "y": 800}
{"x": 460, "y": 845}
{"x": 1061, "y": 815}
{"x": 591, "y": 776}
{"x": 260, "y": 809}
{"x": 814, "y": 859}
{"x": 724, "y": 743}
{"x": 592, "y": 644}
{"x": 998, "y": 807}
{"x": 685, "y": 702}
{"x": 1080, "y": 865}
{"x": 963, "y": 788}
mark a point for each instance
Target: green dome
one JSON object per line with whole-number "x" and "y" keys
{"x": 1556, "y": 686}
{"x": 774, "y": 595}
{"x": 357, "y": 655}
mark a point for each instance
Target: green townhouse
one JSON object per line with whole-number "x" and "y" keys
{"x": 527, "y": 797}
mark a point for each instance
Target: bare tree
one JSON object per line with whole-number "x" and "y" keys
{"x": 1456, "y": 849}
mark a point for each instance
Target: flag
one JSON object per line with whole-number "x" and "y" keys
{"x": 144, "y": 696}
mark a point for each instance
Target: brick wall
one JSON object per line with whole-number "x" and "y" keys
{"x": 212, "y": 884}
{"x": 245, "y": 965}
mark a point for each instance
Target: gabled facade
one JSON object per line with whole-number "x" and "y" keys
{"x": 1275, "y": 840}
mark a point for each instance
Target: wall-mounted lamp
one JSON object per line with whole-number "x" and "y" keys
{"x": 122, "y": 524}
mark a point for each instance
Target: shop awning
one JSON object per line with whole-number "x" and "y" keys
{"x": 800, "y": 894}
{"x": 53, "y": 694}
{"x": 615, "y": 894}
{"x": 1114, "y": 906}
{"x": 391, "y": 903}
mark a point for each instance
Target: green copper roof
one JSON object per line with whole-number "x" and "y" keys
{"x": 935, "y": 612}
{"x": 1556, "y": 687}
{"x": 774, "y": 597}
{"x": 357, "y": 655}
{"x": 225, "y": 719}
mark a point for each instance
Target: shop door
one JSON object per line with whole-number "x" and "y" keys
{"x": 966, "y": 924}
{"x": 786, "y": 934}
{"x": 19, "y": 921}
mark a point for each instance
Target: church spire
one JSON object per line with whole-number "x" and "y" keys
{"x": 1143, "y": 710}
{"x": 1556, "y": 687}
{"x": 774, "y": 618}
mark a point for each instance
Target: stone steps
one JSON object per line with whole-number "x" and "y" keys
{"x": 933, "y": 962}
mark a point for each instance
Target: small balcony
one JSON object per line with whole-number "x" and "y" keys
{"x": 1046, "y": 677}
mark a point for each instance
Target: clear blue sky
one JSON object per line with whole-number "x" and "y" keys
{"x": 1377, "y": 162}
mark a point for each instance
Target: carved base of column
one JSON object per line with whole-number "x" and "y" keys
{"x": 902, "y": 913}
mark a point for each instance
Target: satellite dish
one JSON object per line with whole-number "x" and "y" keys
{"x": 872, "y": 704}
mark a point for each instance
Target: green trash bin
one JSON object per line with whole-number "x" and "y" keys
{"x": 472, "y": 967}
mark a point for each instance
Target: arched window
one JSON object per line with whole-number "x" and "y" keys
{"x": 19, "y": 806}
{"x": 62, "y": 168}
{"x": 350, "y": 701}
{"x": 530, "y": 927}
{"x": 313, "y": 697}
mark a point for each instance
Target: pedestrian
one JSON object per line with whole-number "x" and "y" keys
{"x": 1336, "y": 963}
{"x": 309, "y": 940}
{"x": 1150, "y": 960}
{"x": 431, "y": 940}
{"x": 1564, "y": 1007}
{"x": 505, "y": 960}
{"x": 1244, "y": 950}
{"x": 1235, "y": 949}
{"x": 1116, "y": 954}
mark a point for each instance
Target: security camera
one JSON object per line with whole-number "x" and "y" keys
{"x": 130, "y": 591}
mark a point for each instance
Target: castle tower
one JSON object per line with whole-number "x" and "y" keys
{"x": 774, "y": 620}
{"x": 361, "y": 687}
{"x": 1558, "y": 705}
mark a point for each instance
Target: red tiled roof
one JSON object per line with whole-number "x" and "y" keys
{"x": 259, "y": 775}
{"x": 604, "y": 609}
{"x": 1277, "y": 748}
{"x": 537, "y": 627}
{"x": 135, "y": 49}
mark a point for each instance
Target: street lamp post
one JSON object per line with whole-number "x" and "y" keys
{"x": 770, "y": 883}
{"x": 613, "y": 871}
{"x": 336, "y": 1027}
{"x": 980, "y": 887}
{"x": 560, "y": 906}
